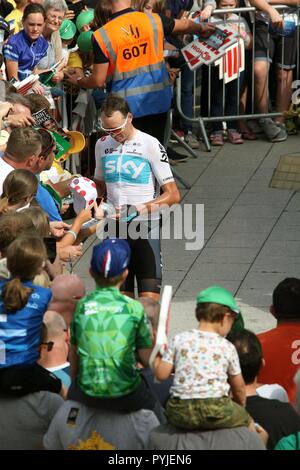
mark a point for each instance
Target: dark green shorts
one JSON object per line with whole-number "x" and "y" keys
{"x": 207, "y": 413}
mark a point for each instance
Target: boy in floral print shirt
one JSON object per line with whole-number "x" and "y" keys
{"x": 206, "y": 368}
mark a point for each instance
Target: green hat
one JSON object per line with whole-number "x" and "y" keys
{"x": 83, "y": 18}
{"x": 84, "y": 41}
{"x": 67, "y": 30}
{"x": 218, "y": 295}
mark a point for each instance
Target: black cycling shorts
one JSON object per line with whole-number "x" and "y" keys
{"x": 146, "y": 262}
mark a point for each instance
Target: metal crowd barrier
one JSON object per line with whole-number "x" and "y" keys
{"x": 201, "y": 120}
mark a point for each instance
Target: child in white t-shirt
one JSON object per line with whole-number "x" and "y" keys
{"x": 206, "y": 368}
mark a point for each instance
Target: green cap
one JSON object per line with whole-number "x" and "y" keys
{"x": 218, "y": 295}
{"x": 67, "y": 30}
{"x": 84, "y": 41}
{"x": 83, "y": 18}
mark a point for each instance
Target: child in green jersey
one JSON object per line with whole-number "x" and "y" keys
{"x": 109, "y": 333}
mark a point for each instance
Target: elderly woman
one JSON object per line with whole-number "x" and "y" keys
{"x": 55, "y": 14}
{"x": 24, "y": 50}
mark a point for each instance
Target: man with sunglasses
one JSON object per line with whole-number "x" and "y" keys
{"x": 132, "y": 168}
{"x": 25, "y": 151}
{"x": 55, "y": 346}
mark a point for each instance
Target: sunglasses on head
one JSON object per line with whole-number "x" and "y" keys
{"x": 114, "y": 130}
{"x": 49, "y": 345}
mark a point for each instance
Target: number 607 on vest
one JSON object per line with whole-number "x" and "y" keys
{"x": 135, "y": 51}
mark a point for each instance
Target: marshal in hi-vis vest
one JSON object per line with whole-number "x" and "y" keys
{"x": 133, "y": 43}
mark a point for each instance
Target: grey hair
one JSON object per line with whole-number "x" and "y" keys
{"x": 58, "y": 5}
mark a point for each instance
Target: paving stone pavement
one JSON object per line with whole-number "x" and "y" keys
{"x": 251, "y": 232}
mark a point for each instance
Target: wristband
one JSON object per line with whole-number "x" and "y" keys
{"x": 5, "y": 123}
{"x": 71, "y": 232}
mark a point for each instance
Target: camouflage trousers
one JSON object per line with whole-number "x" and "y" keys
{"x": 207, "y": 413}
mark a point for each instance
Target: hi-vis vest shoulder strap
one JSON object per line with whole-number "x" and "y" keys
{"x": 133, "y": 43}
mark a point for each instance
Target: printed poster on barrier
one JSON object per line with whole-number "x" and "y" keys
{"x": 232, "y": 63}
{"x": 208, "y": 50}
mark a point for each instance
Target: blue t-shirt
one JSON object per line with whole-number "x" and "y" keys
{"x": 20, "y": 331}
{"x": 44, "y": 199}
{"x": 63, "y": 376}
{"x": 28, "y": 54}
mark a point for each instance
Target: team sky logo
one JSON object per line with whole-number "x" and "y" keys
{"x": 126, "y": 169}
{"x": 111, "y": 150}
{"x": 163, "y": 154}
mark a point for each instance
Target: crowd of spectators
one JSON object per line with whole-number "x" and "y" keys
{"x": 74, "y": 366}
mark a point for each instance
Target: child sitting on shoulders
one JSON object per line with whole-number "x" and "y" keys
{"x": 206, "y": 367}
{"x": 22, "y": 307}
{"x": 109, "y": 333}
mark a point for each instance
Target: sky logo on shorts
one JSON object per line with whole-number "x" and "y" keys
{"x": 126, "y": 169}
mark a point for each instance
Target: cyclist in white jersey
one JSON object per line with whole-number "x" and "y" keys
{"x": 133, "y": 170}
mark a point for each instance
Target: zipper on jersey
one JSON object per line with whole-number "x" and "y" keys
{"x": 33, "y": 55}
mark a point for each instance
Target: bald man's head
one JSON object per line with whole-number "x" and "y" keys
{"x": 66, "y": 289}
{"x": 55, "y": 324}
{"x": 55, "y": 341}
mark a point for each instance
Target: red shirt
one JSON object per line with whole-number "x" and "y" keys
{"x": 281, "y": 351}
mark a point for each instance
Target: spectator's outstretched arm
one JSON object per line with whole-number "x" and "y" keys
{"x": 207, "y": 11}
{"x": 290, "y": 3}
{"x": 12, "y": 69}
{"x": 95, "y": 80}
{"x": 162, "y": 370}
{"x": 265, "y": 6}
{"x": 70, "y": 237}
{"x": 69, "y": 253}
{"x": 238, "y": 389}
{"x": 189, "y": 26}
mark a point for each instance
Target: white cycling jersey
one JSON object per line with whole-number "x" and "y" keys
{"x": 133, "y": 171}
